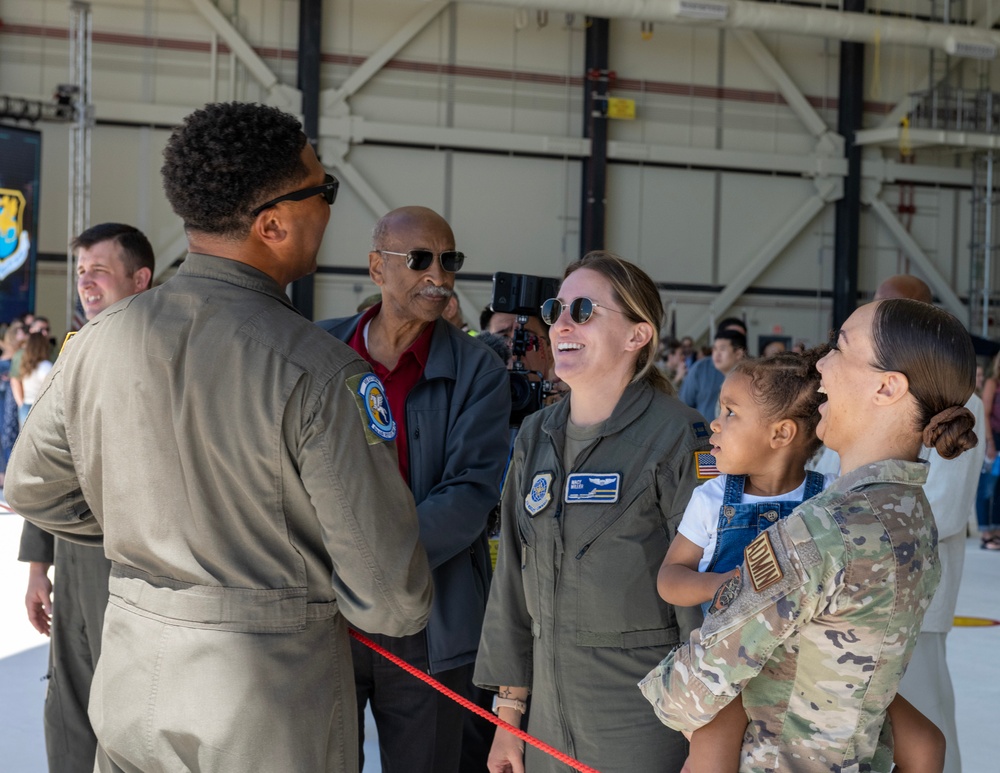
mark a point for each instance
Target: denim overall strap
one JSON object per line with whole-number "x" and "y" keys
{"x": 814, "y": 483}
{"x": 734, "y": 519}
{"x": 740, "y": 523}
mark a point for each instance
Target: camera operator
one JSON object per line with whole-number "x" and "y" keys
{"x": 538, "y": 352}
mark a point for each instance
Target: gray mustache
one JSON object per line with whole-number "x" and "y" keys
{"x": 437, "y": 292}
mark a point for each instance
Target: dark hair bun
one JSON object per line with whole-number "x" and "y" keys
{"x": 950, "y": 432}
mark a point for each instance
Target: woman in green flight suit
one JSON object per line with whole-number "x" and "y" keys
{"x": 596, "y": 487}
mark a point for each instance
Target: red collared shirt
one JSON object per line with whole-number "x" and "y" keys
{"x": 399, "y": 381}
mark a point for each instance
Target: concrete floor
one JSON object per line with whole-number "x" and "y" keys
{"x": 973, "y": 657}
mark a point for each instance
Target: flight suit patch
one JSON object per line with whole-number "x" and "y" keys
{"x": 700, "y": 431}
{"x": 540, "y": 493}
{"x": 762, "y": 564}
{"x": 705, "y": 465}
{"x": 594, "y": 487}
{"x": 726, "y": 593}
{"x": 376, "y": 417}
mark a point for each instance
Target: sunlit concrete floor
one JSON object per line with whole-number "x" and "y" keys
{"x": 973, "y": 657}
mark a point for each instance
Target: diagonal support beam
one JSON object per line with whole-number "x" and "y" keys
{"x": 827, "y": 191}
{"x": 286, "y": 96}
{"x": 371, "y": 66}
{"x": 915, "y": 252}
{"x": 786, "y": 86}
{"x": 351, "y": 175}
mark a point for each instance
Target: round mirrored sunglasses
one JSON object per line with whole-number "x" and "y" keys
{"x": 580, "y": 310}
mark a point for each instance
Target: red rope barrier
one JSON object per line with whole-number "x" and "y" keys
{"x": 562, "y": 757}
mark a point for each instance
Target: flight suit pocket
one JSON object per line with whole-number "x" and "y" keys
{"x": 615, "y": 574}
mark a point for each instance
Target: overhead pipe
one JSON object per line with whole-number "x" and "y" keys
{"x": 953, "y": 39}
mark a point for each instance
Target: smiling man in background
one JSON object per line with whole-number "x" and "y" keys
{"x": 113, "y": 261}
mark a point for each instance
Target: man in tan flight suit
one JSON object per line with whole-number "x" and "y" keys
{"x": 242, "y": 473}
{"x": 113, "y": 261}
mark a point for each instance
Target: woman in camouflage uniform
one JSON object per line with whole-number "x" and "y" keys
{"x": 816, "y": 630}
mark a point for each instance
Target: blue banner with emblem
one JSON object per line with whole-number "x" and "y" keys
{"x": 20, "y": 173}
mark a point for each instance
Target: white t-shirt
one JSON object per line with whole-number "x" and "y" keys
{"x": 32, "y": 383}
{"x": 700, "y": 523}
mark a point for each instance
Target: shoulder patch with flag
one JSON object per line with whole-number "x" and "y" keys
{"x": 705, "y": 465}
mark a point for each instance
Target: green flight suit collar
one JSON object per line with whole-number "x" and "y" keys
{"x": 631, "y": 405}
{"x": 234, "y": 272}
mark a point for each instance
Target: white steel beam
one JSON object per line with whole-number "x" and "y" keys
{"x": 886, "y": 170}
{"x": 786, "y": 86}
{"x": 357, "y": 130}
{"x": 916, "y": 253}
{"x": 827, "y": 190}
{"x": 711, "y": 158}
{"x": 283, "y": 95}
{"x": 889, "y": 135}
{"x": 370, "y": 67}
{"x": 790, "y": 19}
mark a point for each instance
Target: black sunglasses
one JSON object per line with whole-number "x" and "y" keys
{"x": 328, "y": 190}
{"x": 580, "y": 310}
{"x": 420, "y": 260}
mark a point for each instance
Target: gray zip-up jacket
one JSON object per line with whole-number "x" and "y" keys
{"x": 574, "y": 613}
{"x": 456, "y": 423}
{"x": 217, "y": 438}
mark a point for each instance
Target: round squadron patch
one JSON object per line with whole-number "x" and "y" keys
{"x": 370, "y": 396}
{"x": 540, "y": 493}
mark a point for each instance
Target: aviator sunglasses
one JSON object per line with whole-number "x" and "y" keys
{"x": 580, "y": 310}
{"x": 328, "y": 190}
{"x": 420, "y": 260}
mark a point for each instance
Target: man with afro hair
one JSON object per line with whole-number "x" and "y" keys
{"x": 231, "y": 453}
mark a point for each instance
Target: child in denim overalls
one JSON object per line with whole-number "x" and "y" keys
{"x": 762, "y": 438}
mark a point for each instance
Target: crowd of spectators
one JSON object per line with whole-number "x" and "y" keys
{"x": 25, "y": 359}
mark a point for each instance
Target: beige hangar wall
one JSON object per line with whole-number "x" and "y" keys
{"x": 478, "y": 115}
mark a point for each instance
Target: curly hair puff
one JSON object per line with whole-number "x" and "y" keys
{"x": 785, "y": 386}
{"x": 226, "y": 159}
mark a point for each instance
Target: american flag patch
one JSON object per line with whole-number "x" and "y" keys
{"x": 705, "y": 465}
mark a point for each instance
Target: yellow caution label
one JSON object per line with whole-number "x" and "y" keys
{"x": 975, "y": 622}
{"x": 622, "y": 109}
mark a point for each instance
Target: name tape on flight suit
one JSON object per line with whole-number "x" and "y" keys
{"x": 593, "y": 487}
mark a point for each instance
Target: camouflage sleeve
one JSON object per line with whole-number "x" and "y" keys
{"x": 784, "y": 582}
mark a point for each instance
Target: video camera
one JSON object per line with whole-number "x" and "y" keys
{"x": 523, "y": 295}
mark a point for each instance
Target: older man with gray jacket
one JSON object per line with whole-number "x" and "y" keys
{"x": 451, "y": 397}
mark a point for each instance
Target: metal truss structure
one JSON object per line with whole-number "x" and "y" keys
{"x": 80, "y": 36}
{"x": 340, "y": 129}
